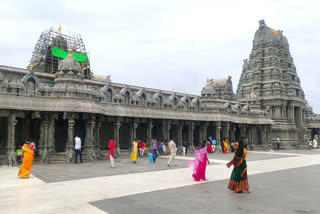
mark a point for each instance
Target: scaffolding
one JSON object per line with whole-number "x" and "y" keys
{"x": 44, "y": 61}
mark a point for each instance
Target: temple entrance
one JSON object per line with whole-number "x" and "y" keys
{"x": 211, "y": 132}
{"x": 141, "y": 132}
{"x": 173, "y": 133}
{"x": 157, "y": 131}
{"x": 61, "y": 135}
{"x": 80, "y": 131}
{"x": 185, "y": 134}
{"x": 124, "y": 135}
{"x": 27, "y": 128}
{"x": 237, "y": 136}
{"x": 106, "y": 131}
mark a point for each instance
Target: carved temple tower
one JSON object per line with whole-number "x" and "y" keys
{"x": 270, "y": 71}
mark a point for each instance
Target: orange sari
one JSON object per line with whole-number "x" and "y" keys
{"x": 25, "y": 168}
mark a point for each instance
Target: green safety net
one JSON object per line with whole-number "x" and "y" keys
{"x": 80, "y": 57}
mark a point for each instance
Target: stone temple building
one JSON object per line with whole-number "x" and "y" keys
{"x": 57, "y": 98}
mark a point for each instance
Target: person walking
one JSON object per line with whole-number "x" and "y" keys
{"x": 278, "y": 142}
{"x": 28, "y": 153}
{"x": 173, "y": 151}
{"x": 141, "y": 149}
{"x": 199, "y": 164}
{"x": 111, "y": 147}
{"x": 77, "y": 149}
{"x": 134, "y": 152}
{"x": 238, "y": 181}
{"x": 184, "y": 148}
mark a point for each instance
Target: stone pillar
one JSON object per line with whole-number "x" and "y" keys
{"x": 234, "y": 129}
{"x": 11, "y": 145}
{"x": 117, "y": 126}
{"x": 43, "y": 147}
{"x": 264, "y": 137}
{"x": 149, "y": 132}
{"x": 179, "y": 144}
{"x": 204, "y": 132}
{"x": 51, "y": 143}
{"x": 97, "y": 140}
{"x": 168, "y": 131}
{"x": 200, "y": 135}
{"x": 89, "y": 140}
{"x": 218, "y": 140}
{"x": 191, "y": 143}
{"x": 227, "y": 129}
{"x": 70, "y": 147}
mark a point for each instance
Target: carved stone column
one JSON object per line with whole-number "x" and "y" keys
{"x": 89, "y": 141}
{"x": 117, "y": 126}
{"x": 227, "y": 129}
{"x": 43, "y": 147}
{"x": 218, "y": 131}
{"x": 51, "y": 145}
{"x": 204, "y": 132}
{"x": 200, "y": 135}
{"x": 168, "y": 131}
{"x": 179, "y": 145}
{"x": 234, "y": 129}
{"x": 70, "y": 147}
{"x": 97, "y": 139}
{"x": 149, "y": 132}
{"x": 191, "y": 143}
{"x": 134, "y": 130}
{"x": 264, "y": 137}
{"x": 11, "y": 146}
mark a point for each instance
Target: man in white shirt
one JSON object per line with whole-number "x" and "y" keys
{"x": 77, "y": 149}
{"x": 173, "y": 152}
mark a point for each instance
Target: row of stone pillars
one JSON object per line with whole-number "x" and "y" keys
{"x": 92, "y": 136}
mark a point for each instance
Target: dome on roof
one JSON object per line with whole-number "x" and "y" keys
{"x": 69, "y": 64}
{"x": 266, "y": 34}
{"x": 207, "y": 90}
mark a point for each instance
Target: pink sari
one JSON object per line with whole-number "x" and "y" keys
{"x": 199, "y": 164}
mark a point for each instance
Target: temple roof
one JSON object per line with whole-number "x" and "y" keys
{"x": 266, "y": 34}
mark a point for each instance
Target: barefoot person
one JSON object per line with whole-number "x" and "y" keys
{"x": 239, "y": 179}
{"x": 199, "y": 164}
{"x": 173, "y": 150}
{"x": 25, "y": 168}
{"x": 111, "y": 151}
{"x": 134, "y": 152}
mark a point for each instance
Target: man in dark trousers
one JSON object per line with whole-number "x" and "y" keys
{"x": 77, "y": 149}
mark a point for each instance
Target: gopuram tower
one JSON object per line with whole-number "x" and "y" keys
{"x": 271, "y": 73}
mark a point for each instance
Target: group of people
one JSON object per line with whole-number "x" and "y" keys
{"x": 238, "y": 181}
{"x": 156, "y": 148}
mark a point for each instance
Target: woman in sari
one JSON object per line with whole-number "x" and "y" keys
{"x": 25, "y": 168}
{"x": 225, "y": 146}
{"x": 208, "y": 145}
{"x": 134, "y": 151}
{"x": 199, "y": 164}
{"x": 239, "y": 179}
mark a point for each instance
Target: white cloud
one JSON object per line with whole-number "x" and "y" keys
{"x": 169, "y": 44}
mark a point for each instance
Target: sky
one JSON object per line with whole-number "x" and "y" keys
{"x": 166, "y": 44}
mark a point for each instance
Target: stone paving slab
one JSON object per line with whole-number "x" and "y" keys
{"x": 55, "y": 172}
{"x": 69, "y": 171}
{"x": 285, "y": 192}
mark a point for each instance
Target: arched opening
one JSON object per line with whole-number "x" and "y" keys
{"x": 143, "y": 99}
{"x": 31, "y": 86}
{"x": 127, "y": 97}
{"x": 160, "y": 101}
{"x": 109, "y": 95}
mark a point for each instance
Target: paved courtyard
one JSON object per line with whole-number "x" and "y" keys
{"x": 280, "y": 182}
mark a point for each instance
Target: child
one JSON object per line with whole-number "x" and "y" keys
{"x": 150, "y": 156}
